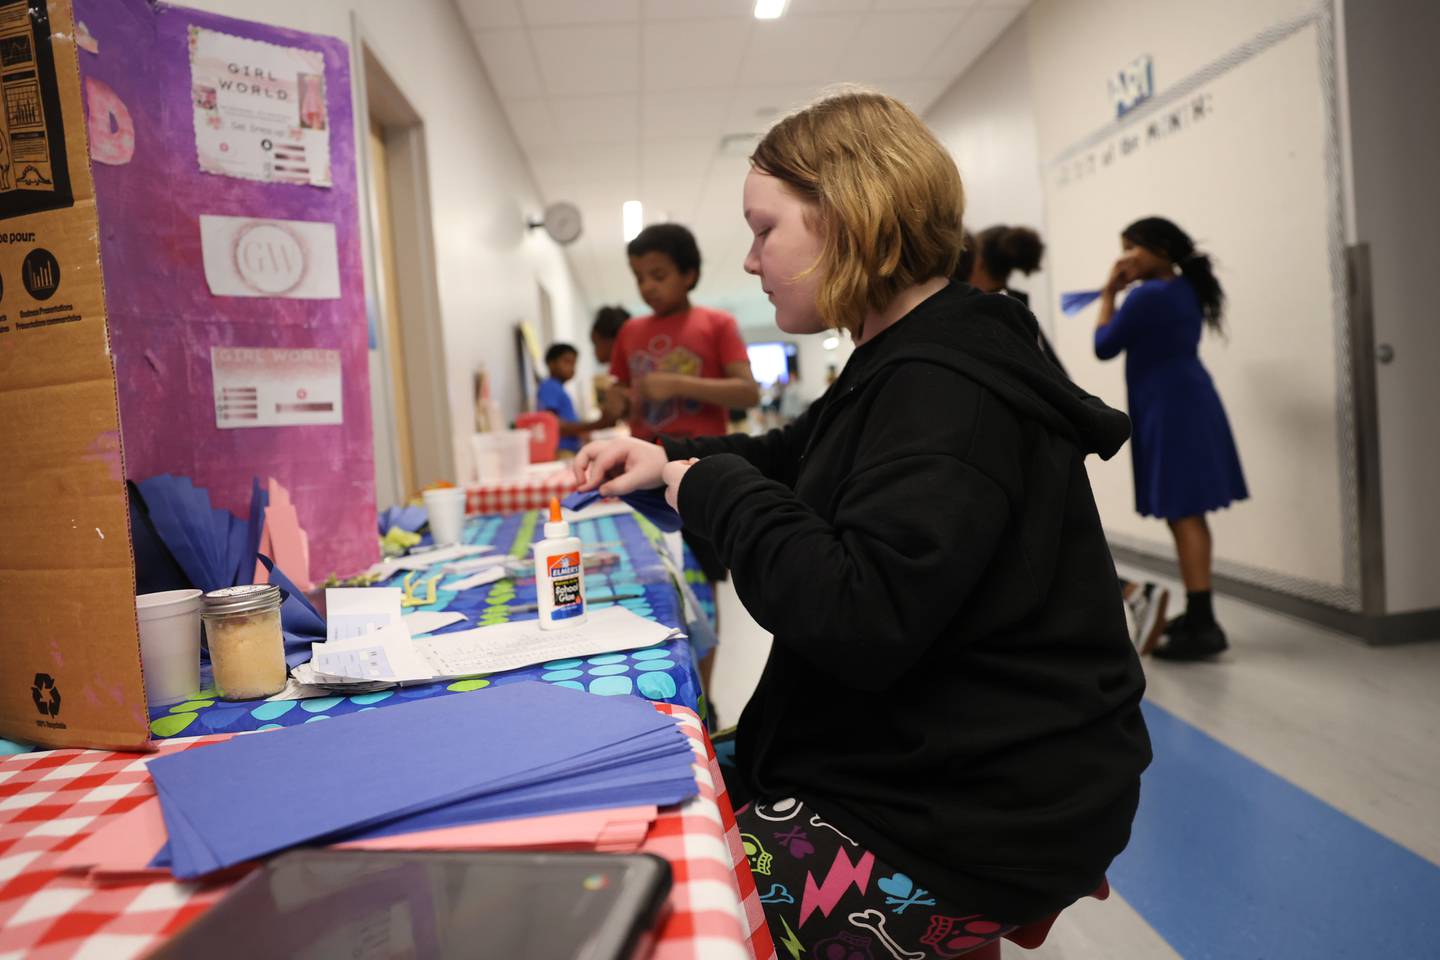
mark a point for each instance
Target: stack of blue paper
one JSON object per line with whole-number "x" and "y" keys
{"x": 519, "y": 750}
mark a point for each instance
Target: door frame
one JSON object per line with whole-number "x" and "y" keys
{"x": 421, "y": 326}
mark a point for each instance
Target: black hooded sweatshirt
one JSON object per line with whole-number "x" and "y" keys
{"x": 952, "y": 683}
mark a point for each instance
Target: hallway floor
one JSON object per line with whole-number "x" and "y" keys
{"x": 1293, "y": 809}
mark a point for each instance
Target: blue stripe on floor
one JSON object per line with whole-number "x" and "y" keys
{"x": 1228, "y": 860}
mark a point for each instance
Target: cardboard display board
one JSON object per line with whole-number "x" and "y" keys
{"x": 69, "y": 647}
{"x": 219, "y": 194}
{"x": 257, "y": 255}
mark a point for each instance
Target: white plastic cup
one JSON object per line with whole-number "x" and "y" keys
{"x": 446, "y": 508}
{"x": 170, "y": 645}
{"x": 501, "y": 456}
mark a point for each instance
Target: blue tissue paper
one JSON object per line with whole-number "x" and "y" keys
{"x": 650, "y": 504}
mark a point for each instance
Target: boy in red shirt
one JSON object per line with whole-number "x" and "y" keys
{"x": 685, "y": 365}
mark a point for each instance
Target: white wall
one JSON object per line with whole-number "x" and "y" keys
{"x": 481, "y": 189}
{"x": 1042, "y": 87}
{"x": 1395, "y": 142}
{"x": 1249, "y": 180}
{"x": 987, "y": 122}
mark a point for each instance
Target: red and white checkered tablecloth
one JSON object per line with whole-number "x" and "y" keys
{"x": 52, "y": 800}
{"x": 531, "y": 493}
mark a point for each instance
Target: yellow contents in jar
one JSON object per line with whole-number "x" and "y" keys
{"x": 248, "y": 652}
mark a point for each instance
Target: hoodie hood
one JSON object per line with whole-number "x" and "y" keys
{"x": 994, "y": 340}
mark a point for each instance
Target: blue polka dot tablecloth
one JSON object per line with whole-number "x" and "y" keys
{"x": 664, "y": 673}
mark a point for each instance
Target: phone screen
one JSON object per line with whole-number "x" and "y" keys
{"x": 317, "y": 905}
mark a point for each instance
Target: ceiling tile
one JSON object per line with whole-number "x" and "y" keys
{"x": 953, "y": 5}
{"x": 671, "y": 198}
{"x": 532, "y": 122}
{"x": 552, "y": 13}
{"x": 553, "y": 175}
{"x": 696, "y": 9}
{"x": 969, "y": 40}
{"x": 794, "y": 50}
{"x": 918, "y": 95}
{"x": 693, "y": 54}
{"x": 605, "y": 198}
{"x": 576, "y": 61}
{"x": 509, "y": 63}
{"x": 897, "y": 45}
{"x": 567, "y": 167}
{"x": 720, "y": 200}
{"x": 614, "y": 118}
{"x": 614, "y": 100}
{"x": 754, "y": 109}
{"x": 488, "y": 14}
{"x": 667, "y": 159}
{"x": 690, "y": 114}
{"x": 803, "y": 8}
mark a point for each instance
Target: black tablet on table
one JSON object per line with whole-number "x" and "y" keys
{"x": 359, "y": 905}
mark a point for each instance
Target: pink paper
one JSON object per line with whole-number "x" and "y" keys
{"x": 620, "y": 830}
{"x": 266, "y": 547}
{"x": 283, "y": 540}
{"x": 292, "y": 549}
{"x": 123, "y": 847}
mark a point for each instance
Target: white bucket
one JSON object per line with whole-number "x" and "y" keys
{"x": 446, "y": 508}
{"x": 501, "y": 456}
{"x": 170, "y": 645}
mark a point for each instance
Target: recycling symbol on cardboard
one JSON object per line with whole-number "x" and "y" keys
{"x": 46, "y": 695}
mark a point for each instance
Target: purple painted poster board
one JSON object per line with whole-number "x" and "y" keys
{"x": 163, "y": 319}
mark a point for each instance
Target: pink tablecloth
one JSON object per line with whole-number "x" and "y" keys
{"x": 52, "y": 800}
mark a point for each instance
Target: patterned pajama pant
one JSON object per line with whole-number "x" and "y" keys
{"x": 827, "y": 898}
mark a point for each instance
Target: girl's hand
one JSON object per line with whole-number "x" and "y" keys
{"x": 618, "y": 467}
{"x": 1121, "y": 275}
{"x": 673, "y": 474}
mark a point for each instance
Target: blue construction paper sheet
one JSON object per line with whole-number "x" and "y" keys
{"x": 662, "y": 781}
{"x": 650, "y": 504}
{"x": 251, "y": 796}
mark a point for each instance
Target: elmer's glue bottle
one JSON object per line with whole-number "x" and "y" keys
{"x": 559, "y": 574}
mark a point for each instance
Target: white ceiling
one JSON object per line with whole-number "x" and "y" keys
{"x": 616, "y": 100}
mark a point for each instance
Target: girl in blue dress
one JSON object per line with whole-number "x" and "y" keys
{"x": 1181, "y": 447}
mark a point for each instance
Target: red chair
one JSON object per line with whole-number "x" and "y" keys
{"x": 1031, "y": 935}
{"x": 544, "y": 429}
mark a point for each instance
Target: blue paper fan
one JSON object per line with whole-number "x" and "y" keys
{"x": 1076, "y": 300}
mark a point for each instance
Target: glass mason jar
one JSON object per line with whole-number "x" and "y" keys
{"x": 247, "y": 649}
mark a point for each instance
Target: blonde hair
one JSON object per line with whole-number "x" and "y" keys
{"x": 887, "y": 195}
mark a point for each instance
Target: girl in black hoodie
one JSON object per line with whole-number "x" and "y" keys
{"x": 947, "y": 739}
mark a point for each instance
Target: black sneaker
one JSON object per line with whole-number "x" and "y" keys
{"x": 1176, "y": 622}
{"x": 1189, "y": 643}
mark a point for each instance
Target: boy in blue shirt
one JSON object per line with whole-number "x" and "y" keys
{"x": 560, "y": 360}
